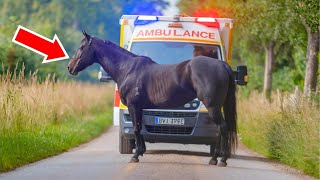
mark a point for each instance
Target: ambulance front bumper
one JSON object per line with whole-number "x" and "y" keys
{"x": 197, "y": 129}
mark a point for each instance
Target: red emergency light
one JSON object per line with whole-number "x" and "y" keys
{"x": 208, "y": 21}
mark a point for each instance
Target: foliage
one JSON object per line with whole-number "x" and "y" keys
{"x": 308, "y": 12}
{"x": 287, "y": 129}
{"x": 27, "y": 102}
{"x": 41, "y": 119}
{"x": 34, "y": 144}
{"x": 256, "y": 24}
{"x": 67, "y": 19}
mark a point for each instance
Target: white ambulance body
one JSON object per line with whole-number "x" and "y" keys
{"x": 169, "y": 40}
{"x": 134, "y": 28}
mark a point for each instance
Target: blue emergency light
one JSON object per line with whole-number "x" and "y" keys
{"x": 143, "y": 20}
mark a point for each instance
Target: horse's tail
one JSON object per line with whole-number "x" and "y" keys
{"x": 230, "y": 113}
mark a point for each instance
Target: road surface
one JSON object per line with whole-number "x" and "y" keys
{"x": 100, "y": 160}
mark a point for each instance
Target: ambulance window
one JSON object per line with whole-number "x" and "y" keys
{"x": 174, "y": 52}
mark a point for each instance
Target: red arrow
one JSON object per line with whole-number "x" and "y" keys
{"x": 52, "y": 50}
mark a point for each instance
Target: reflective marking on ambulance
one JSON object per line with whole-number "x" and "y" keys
{"x": 191, "y": 32}
{"x": 174, "y": 33}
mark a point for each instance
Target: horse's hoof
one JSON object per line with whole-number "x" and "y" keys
{"x": 134, "y": 160}
{"x": 213, "y": 161}
{"x": 222, "y": 164}
{"x": 141, "y": 152}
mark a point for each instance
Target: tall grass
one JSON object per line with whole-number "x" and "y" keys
{"x": 27, "y": 103}
{"x": 42, "y": 118}
{"x": 286, "y": 129}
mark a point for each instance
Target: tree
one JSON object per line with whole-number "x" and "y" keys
{"x": 259, "y": 23}
{"x": 270, "y": 35}
{"x": 307, "y": 12}
{"x": 67, "y": 19}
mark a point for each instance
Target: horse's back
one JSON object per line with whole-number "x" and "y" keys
{"x": 209, "y": 69}
{"x": 210, "y": 77}
{"x": 168, "y": 85}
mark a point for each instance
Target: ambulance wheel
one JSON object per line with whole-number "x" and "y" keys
{"x": 125, "y": 145}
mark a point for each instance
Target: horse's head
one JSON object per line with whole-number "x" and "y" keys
{"x": 84, "y": 56}
{"x": 209, "y": 51}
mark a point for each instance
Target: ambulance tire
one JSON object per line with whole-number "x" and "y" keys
{"x": 212, "y": 148}
{"x": 125, "y": 145}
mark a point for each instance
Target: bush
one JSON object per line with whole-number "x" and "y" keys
{"x": 286, "y": 129}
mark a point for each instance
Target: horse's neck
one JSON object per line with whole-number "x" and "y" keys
{"x": 115, "y": 61}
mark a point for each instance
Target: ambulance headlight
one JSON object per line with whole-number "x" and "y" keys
{"x": 187, "y": 105}
{"x": 100, "y": 75}
{"x": 202, "y": 108}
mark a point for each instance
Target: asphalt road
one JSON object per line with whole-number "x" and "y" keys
{"x": 101, "y": 160}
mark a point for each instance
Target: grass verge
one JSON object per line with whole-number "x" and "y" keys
{"x": 20, "y": 148}
{"x": 42, "y": 118}
{"x": 287, "y": 129}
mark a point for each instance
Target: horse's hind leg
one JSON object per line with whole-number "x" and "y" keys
{"x": 224, "y": 144}
{"x": 216, "y": 154}
{"x": 216, "y": 116}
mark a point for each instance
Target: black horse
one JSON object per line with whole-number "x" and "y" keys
{"x": 143, "y": 84}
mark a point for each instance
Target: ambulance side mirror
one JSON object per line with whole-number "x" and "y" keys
{"x": 241, "y": 75}
{"x": 104, "y": 76}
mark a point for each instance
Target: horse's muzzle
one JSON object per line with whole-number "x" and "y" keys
{"x": 72, "y": 72}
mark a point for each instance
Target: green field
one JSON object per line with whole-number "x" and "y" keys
{"x": 20, "y": 148}
{"x": 44, "y": 118}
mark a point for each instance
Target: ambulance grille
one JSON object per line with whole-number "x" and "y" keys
{"x": 169, "y": 130}
{"x": 127, "y": 117}
{"x": 170, "y": 114}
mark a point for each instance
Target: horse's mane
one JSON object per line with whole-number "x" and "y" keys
{"x": 148, "y": 59}
{"x": 119, "y": 48}
{"x": 123, "y": 50}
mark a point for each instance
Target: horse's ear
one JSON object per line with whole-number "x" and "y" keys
{"x": 88, "y": 37}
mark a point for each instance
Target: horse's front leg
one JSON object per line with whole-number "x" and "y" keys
{"x": 136, "y": 114}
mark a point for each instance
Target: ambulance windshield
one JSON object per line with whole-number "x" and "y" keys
{"x": 174, "y": 52}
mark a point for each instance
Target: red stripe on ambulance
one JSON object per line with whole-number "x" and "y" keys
{"x": 116, "y": 98}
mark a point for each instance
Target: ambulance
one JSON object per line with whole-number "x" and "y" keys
{"x": 169, "y": 40}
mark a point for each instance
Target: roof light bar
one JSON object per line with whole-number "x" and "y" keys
{"x": 143, "y": 20}
{"x": 205, "y": 19}
{"x": 148, "y": 18}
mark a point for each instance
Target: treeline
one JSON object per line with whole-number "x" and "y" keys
{"x": 66, "y": 19}
{"x": 277, "y": 40}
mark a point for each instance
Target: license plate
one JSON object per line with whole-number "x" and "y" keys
{"x": 172, "y": 121}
